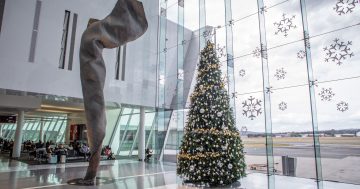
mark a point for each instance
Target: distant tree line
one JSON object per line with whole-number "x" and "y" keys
{"x": 331, "y": 132}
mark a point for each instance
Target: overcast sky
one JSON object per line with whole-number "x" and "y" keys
{"x": 322, "y": 18}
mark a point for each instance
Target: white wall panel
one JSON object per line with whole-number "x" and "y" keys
{"x": 44, "y": 76}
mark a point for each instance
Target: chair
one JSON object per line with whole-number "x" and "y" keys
{"x": 62, "y": 158}
{"x": 52, "y": 159}
{"x": 71, "y": 153}
{"x": 41, "y": 155}
{"x": 32, "y": 155}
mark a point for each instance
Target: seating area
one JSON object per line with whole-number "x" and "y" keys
{"x": 6, "y": 145}
{"x": 51, "y": 153}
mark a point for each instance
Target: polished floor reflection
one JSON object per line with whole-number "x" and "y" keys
{"x": 128, "y": 174}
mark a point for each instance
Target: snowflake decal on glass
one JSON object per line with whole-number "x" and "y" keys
{"x": 338, "y": 51}
{"x": 342, "y": 106}
{"x": 345, "y": 6}
{"x": 221, "y": 51}
{"x": 208, "y": 33}
{"x": 231, "y": 22}
{"x": 263, "y": 9}
{"x": 280, "y": 74}
{"x": 301, "y": 54}
{"x": 326, "y": 94}
{"x": 284, "y": 25}
{"x": 234, "y": 95}
{"x": 283, "y": 106}
{"x": 252, "y": 108}
{"x": 242, "y": 73}
{"x": 257, "y": 52}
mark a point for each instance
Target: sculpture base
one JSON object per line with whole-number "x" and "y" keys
{"x": 96, "y": 182}
{"x": 82, "y": 182}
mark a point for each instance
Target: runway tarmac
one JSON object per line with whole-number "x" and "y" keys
{"x": 302, "y": 150}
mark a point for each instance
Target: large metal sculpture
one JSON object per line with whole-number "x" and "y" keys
{"x": 126, "y": 23}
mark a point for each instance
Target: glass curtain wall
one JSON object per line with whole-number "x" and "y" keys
{"x": 335, "y": 47}
{"x": 53, "y": 129}
{"x": 122, "y": 131}
{"x": 293, "y": 155}
{"x": 294, "y": 66}
{"x": 175, "y": 45}
{"x": 162, "y": 84}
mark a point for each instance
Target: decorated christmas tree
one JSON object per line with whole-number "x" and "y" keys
{"x": 211, "y": 151}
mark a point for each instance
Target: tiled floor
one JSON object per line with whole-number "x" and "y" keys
{"x": 128, "y": 174}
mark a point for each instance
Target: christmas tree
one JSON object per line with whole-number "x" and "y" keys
{"x": 211, "y": 151}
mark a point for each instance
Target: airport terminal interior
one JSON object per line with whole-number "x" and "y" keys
{"x": 213, "y": 94}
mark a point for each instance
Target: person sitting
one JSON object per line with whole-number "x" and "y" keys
{"x": 47, "y": 144}
{"x": 85, "y": 151}
{"x": 39, "y": 144}
{"x": 7, "y": 145}
{"x": 77, "y": 147}
{"x": 51, "y": 156}
{"x": 60, "y": 151}
{"x": 27, "y": 145}
{"x": 49, "y": 152}
{"x": 24, "y": 144}
{"x": 70, "y": 147}
{"x": 32, "y": 145}
{"x": 108, "y": 153}
{"x": 41, "y": 154}
{"x": 1, "y": 144}
{"x": 32, "y": 151}
{"x": 148, "y": 154}
{"x": 11, "y": 145}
